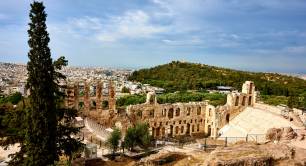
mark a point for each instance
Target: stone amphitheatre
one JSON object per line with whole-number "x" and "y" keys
{"x": 241, "y": 116}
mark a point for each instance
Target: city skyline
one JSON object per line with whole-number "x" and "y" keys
{"x": 253, "y": 35}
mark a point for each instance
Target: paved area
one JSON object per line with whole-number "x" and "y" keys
{"x": 254, "y": 121}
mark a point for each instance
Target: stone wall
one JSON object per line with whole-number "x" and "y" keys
{"x": 89, "y": 96}
{"x": 179, "y": 119}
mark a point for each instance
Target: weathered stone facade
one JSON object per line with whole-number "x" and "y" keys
{"x": 179, "y": 119}
{"x": 89, "y": 96}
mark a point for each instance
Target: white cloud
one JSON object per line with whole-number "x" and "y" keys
{"x": 132, "y": 24}
{"x": 86, "y": 22}
{"x": 296, "y": 49}
{"x": 193, "y": 41}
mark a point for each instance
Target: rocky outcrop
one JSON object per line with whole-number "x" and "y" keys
{"x": 278, "y": 134}
{"x": 251, "y": 155}
{"x": 242, "y": 154}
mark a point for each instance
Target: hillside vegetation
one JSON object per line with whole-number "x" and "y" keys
{"x": 214, "y": 98}
{"x": 180, "y": 76}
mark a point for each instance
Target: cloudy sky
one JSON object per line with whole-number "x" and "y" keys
{"x": 258, "y": 35}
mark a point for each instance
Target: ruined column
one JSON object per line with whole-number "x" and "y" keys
{"x": 99, "y": 95}
{"x": 76, "y": 95}
{"x": 86, "y": 97}
{"x": 111, "y": 97}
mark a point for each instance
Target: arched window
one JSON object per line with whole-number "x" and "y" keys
{"x": 176, "y": 129}
{"x": 237, "y": 101}
{"x": 188, "y": 111}
{"x": 177, "y": 112}
{"x": 170, "y": 113}
{"x": 199, "y": 111}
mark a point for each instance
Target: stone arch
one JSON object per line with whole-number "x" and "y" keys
{"x": 243, "y": 100}
{"x": 81, "y": 105}
{"x": 250, "y": 100}
{"x": 171, "y": 131}
{"x": 81, "y": 89}
{"x": 237, "y": 101}
{"x": 170, "y": 113}
{"x": 105, "y": 104}
{"x": 157, "y": 131}
{"x": 199, "y": 111}
{"x": 227, "y": 118}
{"x": 209, "y": 130}
{"x": 93, "y": 104}
{"x": 176, "y": 129}
{"x": 177, "y": 112}
{"x": 188, "y": 111}
{"x": 164, "y": 112}
{"x": 188, "y": 129}
{"x": 251, "y": 88}
{"x": 163, "y": 131}
{"x": 92, "y": 90}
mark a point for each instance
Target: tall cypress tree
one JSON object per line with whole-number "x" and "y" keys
{"x": 42, "y": 122}
{"x": 47, "y": 130}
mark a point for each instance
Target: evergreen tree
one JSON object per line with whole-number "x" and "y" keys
{"x": 49, "y": 126}
{"x": 113, "y": 140}
{"x": 42, "y": 122}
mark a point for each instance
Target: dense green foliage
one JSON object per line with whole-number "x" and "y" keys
{"x": 41, "y": 124}
{"x": 291, "y": 101}
{"x": 179, "y": 76}
{"x": 130, "y": 100}
{"x": 12, "y": 124}
{"x": 274, "y": 100}
{"x": 113, "y": 140}
{"x": 214, "y": 98}
{"x": 137, "y": 135}
{"x": 13, "y": 98}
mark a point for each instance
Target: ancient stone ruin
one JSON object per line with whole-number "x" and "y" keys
{"x": 179, "y": 119}
{"x": 96, "y": 99}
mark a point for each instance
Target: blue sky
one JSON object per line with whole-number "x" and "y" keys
{"x": 257, "y": 35}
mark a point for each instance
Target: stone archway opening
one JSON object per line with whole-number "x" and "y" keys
{"x": 250, "y": 100}
{"x": 188, "y": 129}
{"x": 171, "y": 131}
{"x": 227, "y": 118}
{"x": 209, "y": 130}
{"x": 170, "y": 113}
{"x": 163, "y": 131}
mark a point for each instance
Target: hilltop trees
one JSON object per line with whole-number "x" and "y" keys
{"x": 181, "y": 76}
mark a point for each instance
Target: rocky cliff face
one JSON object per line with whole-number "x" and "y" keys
{"x": 245, "y": 154}
{"x": 286, "y": 148}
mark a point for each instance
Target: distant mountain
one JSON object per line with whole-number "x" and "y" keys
{"x": 178, "y": 76}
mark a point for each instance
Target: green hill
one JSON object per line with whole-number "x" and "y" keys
{"x": 181, "y": 76}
